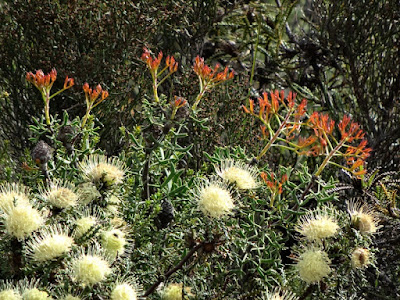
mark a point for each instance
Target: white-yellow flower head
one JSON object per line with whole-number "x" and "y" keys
{"x": 11, "y": 195}
{"x": 173, "y": 291}
{"x": 88, "y": 193}
{"x": 313, "y": 265}
{"x": 360, "y": 258}
{"x": 61, "y": 195}
{"x": 214, "y": 198}
{"x": 49, "y": 244}
{"x": 278, "y": 294}
{"x": 9, "y": 292}
{"x": 238, "y": 173}
{"x": 113, "y": 242}
{"x": 124, "y": 291}
{"x": 318, "y": 224}
{"x": 99, "y": 168}
{"x": 87, "y": 221}
{"x": 35, "y": 294}
{"x": 89, "y": 268}
{"x": 362, "y": 217}
{"x": 21, "y": 220}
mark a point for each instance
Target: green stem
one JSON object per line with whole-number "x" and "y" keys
{"x": 328, "y": 157}
{"x": 198, "y": 98}
{"x": 46, "y": 100}
{"x": 254, "y": 57}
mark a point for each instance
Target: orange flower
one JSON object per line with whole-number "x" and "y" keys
{"x": 41, "y": 81}
{"x": 208, "y": 75}
{"x": 92, "y": 95}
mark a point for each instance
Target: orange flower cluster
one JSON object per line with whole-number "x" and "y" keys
{"x": 273, "y": 183}
{"x": 208, "y": 75}
{"x": 154, "y": 63}
{"x": 93, "y": 94}
{"x": 179, "y": 102}
{"x": 44, "y": 82}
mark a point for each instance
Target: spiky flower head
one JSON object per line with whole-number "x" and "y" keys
{"x": 360, "y": 258}
{"x": 99, "y": 168}
{"x": 318, "y": 224}
{"x": 61, "y": 194}
{"x": 214, "y": 198}
{"x": 49, "y": 244}
{"x": 173, "y": 291}
{"x": 84, "y": 223}
{"x": 126, "y": 290}
{"x": 238, "y": 173}
{"x": 12, "y": 194}
{"x": 278, "y": 294}
{"x": 113, "y": 242}
{"x": 313, "y": 265}
{"x": 90, "y": 267}
{"x": 362, "y": 217}
{"x": 9, "y": 292}
{"x": 88, "y": 193}
{"x": 35, "y": 294}
{"x": 22, "y": 219}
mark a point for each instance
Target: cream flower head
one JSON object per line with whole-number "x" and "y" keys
{"x": 173, "y": 291}
{"x": 85, "y": 222}
{"x": 61, "y": 195}
{"x": 49, "y": 244}
{"x": 11, "y": 194}
{"x": 214, "y": 198}
{"x": 126, "y": 289}
{"x": 89, "y": 267}
{"x": 99, "y": 168}
{"x": 360, "y": 258}
{"x": 278, "y": 294}
{"x": 9, "y": 292}
{"x": 238, "y": 173}
{"x": 113, "y": 242}
{"x": 317, "y": 225}
{"x": 22, "y": 219}
{"x": 35, "y": 294}
{"x": 362, "y": 217}
{"x": 87, "y": 193}
{"x": 313, "y": 265}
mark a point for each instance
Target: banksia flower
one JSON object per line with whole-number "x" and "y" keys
{"x": 21, "y": 220}
{"x": 35, "y": 294}
{"x": 362, "y": 217}
{"x": 360, "y": 258}
{"x": 126, "y": 290}
{"x": 84, "y": 224}
{"x": 113, "y": 242}
{"x": 100, "y": 169}
{"x": 214, "y": 199}
{"x": 238, "y": 173}
{"x": 90, "y": 267}
{"x": 313, "y": 265}
{"x": 87, "y": 193}
{"x": 61, "y": 195}
{"x": 66, "y": 136}
{"x": 49, "y": 244}
{"x": 317, "y": 225}
{"x": 11, "y": 195}
{"x": 8, "y": 292}
{"x": 42, "y": 153}
{"x": 173, "y": 291}
{"x": 278, "y": 294}
{"x": 166, "y": 215}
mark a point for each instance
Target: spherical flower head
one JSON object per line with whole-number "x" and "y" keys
{"x": 99, "y": 168}
{"x": 113, "y": 242}
{"x": 88, "y": 193}
{"x": 61, "y": 195}
{"x": 90, "y": 268}
{"x": 214, "y": 199}
{"x": 83, "y": 225}
{"x": 22, "y": 220}
{"x": 35, "y": 294}
{"x": 49, "y": 244}
{"x": 360, "y": 258}
{"x": 12, "y": 194}
{"x": 10, "y": 294}
{"x": 277, "y": 294}
{"x": 317, "y": 225}
{"x": 174, "y": 292}
{"x": 313, "y": 265}
{"x": 124, "y": 291}
{"x": 71, "y": 297}
{"x": 362, "y": 217}
{"x": 238, "y": 173}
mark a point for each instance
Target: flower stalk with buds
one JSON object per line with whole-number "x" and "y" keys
{"x": 44, "y": 83}
{"x": 93, "y": 98}
{"x": 153, "y": 64}
{"x": 209, "y": 78}
{"x": 176, "y": 104}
